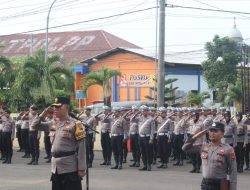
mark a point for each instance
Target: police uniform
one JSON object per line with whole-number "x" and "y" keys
{"x": 91, "y": 123}
{"x": 8, "y": 135}
{"x": 247, "y": 143}
{"x": 25, "y": 138}
{"x": 134, "y": 137}
{"x": 218, "y": 163}
{"x": 230, "y": 134}
{"x": 146, "y": 136}
{"x": 118, "y": 136}
{"x": 105, "y": 137}
{"x": 195, "y": 127}
{"x": 46, "y": 138}
{"x": 239, "y": 150}
{"x": 1, "y": 139}
{"x": 155, "y": 147}
{"x": 68, "y": 150}
{"x": 163, "y": 138}
{"x": 18, "y": 123}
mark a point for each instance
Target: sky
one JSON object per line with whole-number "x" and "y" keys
{"x": 187, "y": 30}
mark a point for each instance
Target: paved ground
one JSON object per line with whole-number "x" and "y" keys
{"x": 19, "y": 176}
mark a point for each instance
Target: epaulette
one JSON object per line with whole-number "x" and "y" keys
{"x": 79, "y": 132}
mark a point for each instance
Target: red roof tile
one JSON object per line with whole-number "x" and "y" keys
{"x": 77, "y": 46}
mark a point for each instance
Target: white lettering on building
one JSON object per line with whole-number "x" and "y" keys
{"x": 72, "y": 41}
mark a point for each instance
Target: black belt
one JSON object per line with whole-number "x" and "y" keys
{"x": 228, "y": 136}
{"x": 62, "y": 154}
{"x": 211, "y": 180}
{"x": 240, "y": 135}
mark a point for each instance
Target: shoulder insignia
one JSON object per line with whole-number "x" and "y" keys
{"x": 67, "y": 127}
{"x": 232, "y": 154}
{"x": 79, "y": 132}
{"x": 53, "y": 126}
{"x": 222, "y": 150}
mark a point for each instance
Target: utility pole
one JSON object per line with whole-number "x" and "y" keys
{"x": 161, "y": 56}
{"x": 47, "y": 31}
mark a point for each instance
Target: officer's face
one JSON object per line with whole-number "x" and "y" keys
{"x": 87, "y": 112}
{"x": 163, "y": 114}
{"x": 145, "y": 112}
{"x": 116, "y": 113}
{"x": 61, "y": 111}
{"x": 215, "y": 135}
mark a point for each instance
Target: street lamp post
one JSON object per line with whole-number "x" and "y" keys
{"x": 47, "y": 30}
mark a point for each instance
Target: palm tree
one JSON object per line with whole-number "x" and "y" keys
{"x": 101, "y": 78}
{"x": 40, "y": 78}
{"x": 193, "y": 99}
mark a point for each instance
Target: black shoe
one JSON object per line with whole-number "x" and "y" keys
{"x": 137, "y": 164}
{"x": 104, "y": 163}
{"x": 46, "y": 157}
{"x": 27, "y": 156}
{"x": 165, "y": 166}
{"x": 247, "y": 168}
{"x": 114, "y": 167}
{"x": 31, "y": 162}
{"x": 176, "y": 164}
{"x": 4, "y": 162}
{"x": 181, "y": 163}
{"x": 172, "y": 159}
{"x": 149, "y": 167}
{"x": 24, "y": 156}
{"x": 132, "y": 165}
{"x": 143, "y": 169}
{"x": 197, "y": 171}
{"x": 108, "y": 163}
{"x": 192, "y": 171}
{"x": 131, "y": 160}
{"x": 48, "y": 161}
{"x": 189, "y": 162}
{"x": 35, "y": 163}
{"x": 124, "y": 161}
{"x": 20, "y": 150}
{"x": 160, "y": 166}
{"x": 120, "y": 167}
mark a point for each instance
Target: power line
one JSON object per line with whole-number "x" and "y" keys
{"x": 85, "y": 21}
{"x": 205, "y": 9}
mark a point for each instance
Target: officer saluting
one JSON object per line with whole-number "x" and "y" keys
{"x": 68, "y": 146}
{"x": 218, "y": 159}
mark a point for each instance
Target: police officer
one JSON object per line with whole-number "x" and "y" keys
{"x": 154, "y": 115}
{"x": 247, "y": 140}
{"x": 146, "y": 137}
{"x": 8, "y": 134}
{"x": 25, "y": 135}
{"x": 18, "y": 123}
{"x": 163, "y": 136}
{"x": 195, "y": 127}
{"x": 218, "y": 159}
{"x": 230, "y": 130}
{"x": 240, "y": 134}
{"x": 34, "y": 135}
{"x": 47, "y": 143}
{"x": 134, "y": 136}
{"x": 91, "y": 123}
{"x": 105, "y": 131}
{"x": 118, "y": 136}
{"x": 1, "y": 138}
{"x": 68, "y": 150}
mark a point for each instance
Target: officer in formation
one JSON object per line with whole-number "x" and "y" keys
{"x": 91, "y": 123}
{"x": 7, "y": 136}
{"x": 218, "y": 159}
{"x": 68, "y": 150}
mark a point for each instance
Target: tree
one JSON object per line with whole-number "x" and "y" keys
{"x": 101, "y": 78}
{"x": 169, "y": 93}
{"x": 220, "y": 73}
{"x": 37, "y": 80}
{"x": 194, "y": 99}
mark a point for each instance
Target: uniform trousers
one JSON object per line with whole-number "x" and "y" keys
{"x": 19, "y": 138}
{"x": 135, "y": 149}
{"x": 146, "y": 150}
{"x": 47, "y": 144}
{"x": 178, "y": 143}
{"x": 116, "y": 144}
{"x": 155, "y": 148}
{"x": 210, "y": 184}
{"x": 247, "y": 150}
{"x": 106, "y": 146}
{"x": 1, "y": 144}
{"x": 66, "y": 181}
{"x": 90, "y": 148}
{"x": 125, "y": 150}
{"x": 163, "y": 148}
{"x": 7, "y": 145}
{"x": 239, "y": 152}
{"x": 25, "y": 140}
{"x": 34, "y": 145}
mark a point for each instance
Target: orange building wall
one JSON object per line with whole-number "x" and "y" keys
{"x": 128, "y": 64}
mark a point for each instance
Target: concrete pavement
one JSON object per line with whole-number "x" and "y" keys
{"x": 19, "y": 176}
